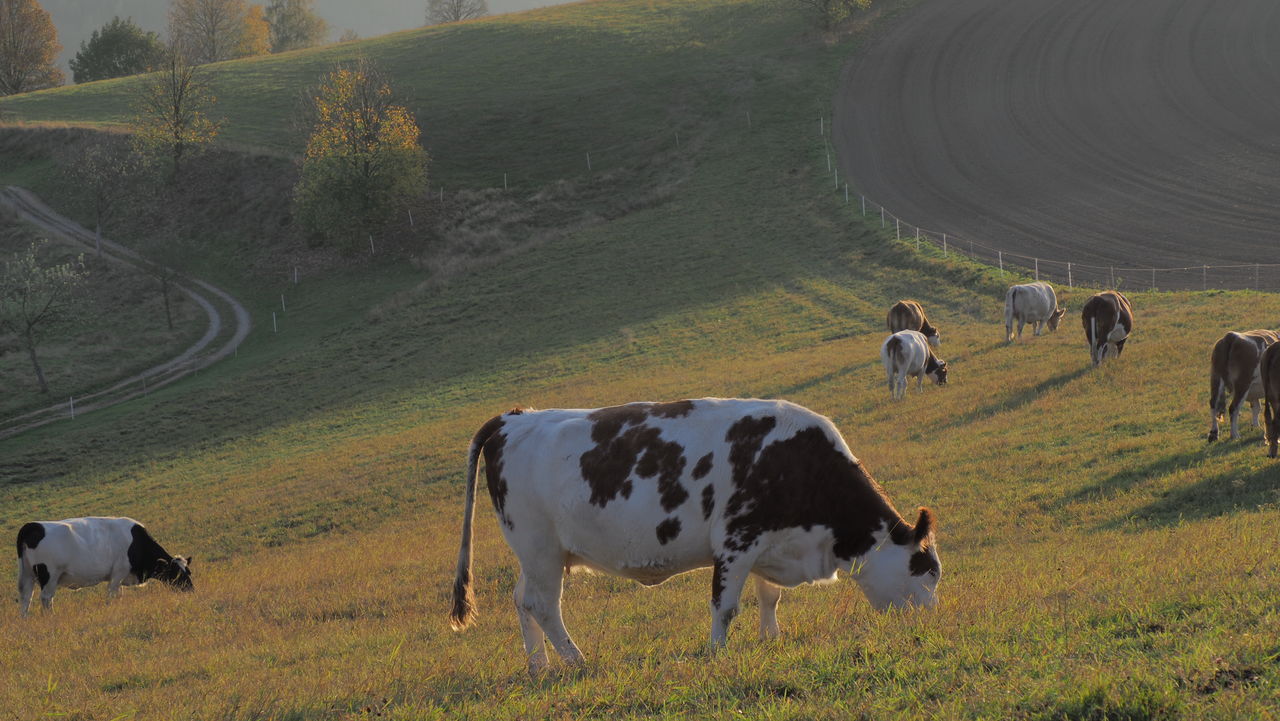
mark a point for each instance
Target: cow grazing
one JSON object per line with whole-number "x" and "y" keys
{"x": 650, "y": 490}
{"x": 1234, "y": 367}
{"x": 1108, "y": 321}
{"x": 1270, "y": 371}
{"x": 80, "y": 552}
{"x": 1033, "y": 303}
{"x": 909, "y": 315}
{"x": 906, "y": 354}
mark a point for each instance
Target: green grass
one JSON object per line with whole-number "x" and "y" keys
{"x": 1099, "y": 560}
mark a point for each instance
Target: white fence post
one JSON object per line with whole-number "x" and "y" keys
{"x": 1000, "y": 257}
{"x": 882, "y": 216}
{"x": 1037, "y": 268}
{"x": 588, "y": 161}
{"x": 1069, "y": 283}
{"x": 1113, "y": 276}
{"x": 1204, "y": 278}
{"x": 274, "y": 328}
{"x": 846, "y": 193}
{"x": 1153, "y": 279}
{"x": 897, "y": 228}
{"x": 944, "y": 245}
{"x": 73, "y": 406}
{"x": 864, "y": 205}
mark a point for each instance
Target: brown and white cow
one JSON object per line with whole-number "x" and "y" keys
{"x": 1033, "y": 303}
{"x": 1234, "y": 367}
{"x": 906, "y": 355}
{"x": 1270, "y": 371}
{"x": 1108, "y": 321}
{"x": 761, "y": 488}
{"x": 909, "y": 315}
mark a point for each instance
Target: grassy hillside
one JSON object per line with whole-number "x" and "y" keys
{"x": 1099, "y": 560}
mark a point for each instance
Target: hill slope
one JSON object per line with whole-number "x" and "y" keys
{"x": 316, "y": 477}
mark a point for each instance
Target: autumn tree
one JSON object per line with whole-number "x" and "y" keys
{"x": 451, "y": 11}
{"x": 213, "y": 30}
{"x": 362, "y": 159}
{"x": 120, "y": 48}
{"x": 294, "y": 25}
{"x": 171, "y": 113}
{"x": 35, "y": 297}
{"x": 28, "y": 48}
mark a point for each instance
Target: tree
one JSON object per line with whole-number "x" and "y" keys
{"x": 28, "y": 48}
{"x": 104, "y": 171}
{"x": 34, "y": 298}
{"x": 294, "y": 25}
{"x": 451, "y": 11}
{"x": 213, "y": 30}
{"x": 362, "y": 159}
{"x": 171, "y": 113}
{"x": 120, "y": 48}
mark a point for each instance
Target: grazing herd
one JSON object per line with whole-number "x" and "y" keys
{"x": 760, "y": 489}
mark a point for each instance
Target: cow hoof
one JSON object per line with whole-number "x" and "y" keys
{"x": 1212, "y": 437}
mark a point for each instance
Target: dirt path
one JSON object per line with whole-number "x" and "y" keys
{"x": 1131, "y": 133}
{"x": 229, "y": 333}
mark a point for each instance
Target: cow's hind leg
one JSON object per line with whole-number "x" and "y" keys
{"x": 1234, "y": 411}
{"x": 26, "y": 586}
{"x": 768, "y": 594}
{"x": 48, "y": 585}
{"x": 727, "y": 579}
{"x": 540, "y": 598}
{"x": 1256, "y": 407}
{"x": 535, "y": 647}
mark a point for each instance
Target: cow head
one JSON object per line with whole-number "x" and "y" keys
{"x": 1056, "y": 317}
{"x": 939, "y": 373}
{"x": 903, "y": 569}
{"x": 176, "y": 572}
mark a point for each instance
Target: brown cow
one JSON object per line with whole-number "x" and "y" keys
{"x": 909, "y": 315}
{"x": 1270, "y": 368}
{"x": 1108, "y": 320}
{"x": 1234, "y": 366}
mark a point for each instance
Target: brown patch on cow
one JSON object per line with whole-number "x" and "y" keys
{"x": 673, "y": 409}
{"x": 802, "y": 482}
{"x": 607, "y": 468}
{"x": 703, "y": 467}
{"x": 494, "y": 442}
{"x": 708, "y": 501}
{"x": 1103, "y": 312}
{"x": 668, "y": 530}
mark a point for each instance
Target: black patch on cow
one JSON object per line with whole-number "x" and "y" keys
{"x": 702, "y": 467}
{"x": 146, "y": 557}
{"x": 668, "y": 530}
{"x": 625, "y": 444}
{"x": 494, "y": 441}
{"x": 30, "y": 536}
{"x": 708, "y": 501}
{"x": 42, "y": 574}
{"x": 673, "y": 409}
{"x": 802, "y": 482}
{"x": 923, "y": 562}
{"x": 717, "y": 579}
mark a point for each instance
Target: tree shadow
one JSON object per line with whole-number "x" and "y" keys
{"x": 1017, "y": 400}
{"x": 1225, "y": 493}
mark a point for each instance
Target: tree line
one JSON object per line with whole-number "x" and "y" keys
{"x": 206, "y": 31}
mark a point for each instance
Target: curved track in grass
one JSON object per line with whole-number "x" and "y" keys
{"x": 222, "y": 336}
{"x": 1139, "y": 133}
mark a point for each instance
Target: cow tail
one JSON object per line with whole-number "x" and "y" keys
{"x": 464, "y": 600}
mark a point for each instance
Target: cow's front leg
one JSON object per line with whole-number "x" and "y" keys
{"x": 1037, "y": 327}
{"x": 727, "y": 580}
{"x": 768, "y": 594}
{"x": 1021, "y": 324}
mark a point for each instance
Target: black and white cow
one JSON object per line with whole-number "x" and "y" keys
{"x": 650, "y": 490}
{"x": 906, "y": 354}
{"x": 81, "y": 552}
{"x": 1033, "y": 303}
{"x": 1108, "y": 321}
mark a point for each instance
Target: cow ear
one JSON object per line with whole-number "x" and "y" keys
{"x": 925, "y": 525}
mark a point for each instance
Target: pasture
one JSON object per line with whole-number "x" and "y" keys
{"x": 1099, "y": 559}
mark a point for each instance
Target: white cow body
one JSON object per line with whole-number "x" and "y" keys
{"x": 80, "y": 552}
{"x": 906, "y": 354}
{"x": 1034, "y": 303}
{"x": 650, "y": 490}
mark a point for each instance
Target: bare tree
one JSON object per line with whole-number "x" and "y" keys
{"x": 34, "y": 297}
{"x": 105, "y": 172}
{"x": 28, "y": 48}
{"x": 451, "y": 11}
{"x": 213, "y": 30}
{"x": 294, "y": 25}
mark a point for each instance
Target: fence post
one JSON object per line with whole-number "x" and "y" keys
{"x": 1000, "y": 257}
{"x": 882, "y": 216}
{"x": 846, "y": 193}
{"x": 1153, "y": 279}
{"x": 73, "y": 407}
{"x": 1037, "y": 268}
{"x": 274, "y": 328}
{"x": 1069, "y": 283}
{"x": 1113, "y": 276}
{"x": 944, "y": 245}
{"x": 864, "y": 205}
{"x": 1204, "y": 278}
{"x": 917, "y": 239}
{"x": 588, "y": 161}
{"x": 821, "y": 128}
{"x": 897, "y": 228}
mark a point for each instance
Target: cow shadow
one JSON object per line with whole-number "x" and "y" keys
{"x": 1128, "y": 478}
{"x": 815, "y": 381}
{"x": 1223, "y": 494}
{"x": 1017, "y": 400}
